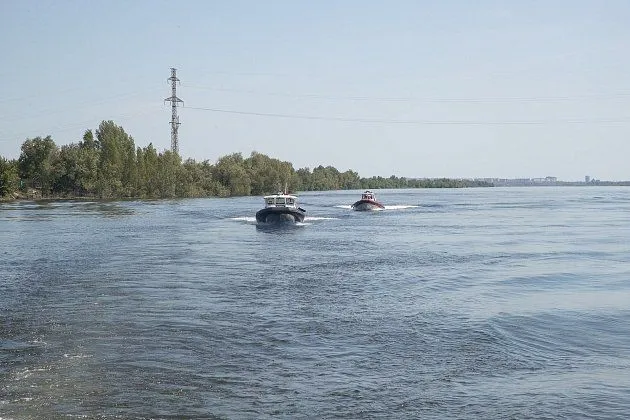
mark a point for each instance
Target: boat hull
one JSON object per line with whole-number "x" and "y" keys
{"x": 274, "y": 215}
{"x": 367, "y": 205}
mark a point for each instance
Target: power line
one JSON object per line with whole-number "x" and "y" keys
{"x": 56, "y": 94}
{"x": 78, "y": 105}
{"x": 413, "y": 122}
{"x": 490, "y": 99}
{"x": 63, "y": 128}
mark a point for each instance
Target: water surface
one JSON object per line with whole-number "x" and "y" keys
{"x": 451, "y": 303}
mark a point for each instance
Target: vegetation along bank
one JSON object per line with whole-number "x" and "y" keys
{"x": 108, "y": 165}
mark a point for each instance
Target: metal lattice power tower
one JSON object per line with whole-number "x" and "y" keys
{"x": 174, "y": 100}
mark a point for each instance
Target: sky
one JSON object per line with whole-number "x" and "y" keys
{"x": 458, "y": 89}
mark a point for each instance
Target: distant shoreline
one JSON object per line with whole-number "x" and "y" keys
{"x": 108, "y": 165}
{"x": 568, "y": 184}
{"x": 34, "y": 196}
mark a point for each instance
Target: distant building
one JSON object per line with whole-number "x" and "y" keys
{"x": 587, "y": 179}
{"x": 517, "y": 182}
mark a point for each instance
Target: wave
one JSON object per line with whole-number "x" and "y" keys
{"x": 249, "y": 219}
{"x": 400, "y": 207}
{"x": 392, "y": 207}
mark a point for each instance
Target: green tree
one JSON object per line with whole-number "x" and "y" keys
{"x": 325, "y": 178}
{"x": 36, "y": 162}
{"x": 349, "y": 180}
{"x": 67, "y": 171}
{"x": 195, "y": 179}
{"x": 303, "y": 177}
{"x": 88, "y": 141}
{"x": 169, "y": 177}
{"x": 117, "y": 158}
{"x": 231, "y": 174}
{"x": 88, "y": 164}
{"x": 9, "y": 178}
{"x": 269, "y": 175}
{"x": 147, "y": 162}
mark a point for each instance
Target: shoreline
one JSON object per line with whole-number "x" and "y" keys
{"x": 32, "y": 196}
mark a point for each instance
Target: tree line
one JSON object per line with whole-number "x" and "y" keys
{"x": 107, "y": 164}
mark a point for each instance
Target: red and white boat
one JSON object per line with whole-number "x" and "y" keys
{"x": 367, "y": 202}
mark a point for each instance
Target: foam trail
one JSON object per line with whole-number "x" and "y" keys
{"x": 320, "y": 218}
{"x": 248, "y": 219}
{"x": 400, "y": 207}
{"x": 344, "y": 206}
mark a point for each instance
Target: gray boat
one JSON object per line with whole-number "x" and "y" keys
{"x": 280, "y": 208}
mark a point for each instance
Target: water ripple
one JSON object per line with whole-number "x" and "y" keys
{"x": 481, "y": 303}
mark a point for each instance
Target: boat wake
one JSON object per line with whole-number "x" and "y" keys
{"x": 400, "y": 207}
{"x": 280, "y": 228}
{"x": 244, "y": 219}
{"x": 394, "y": 207}
{"x": 249, "y": 219}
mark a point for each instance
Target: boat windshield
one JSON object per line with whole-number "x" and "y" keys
{"x": 270, "y": 202}
{"x": 290, "y": 201}
{"x": 280, "y": 200}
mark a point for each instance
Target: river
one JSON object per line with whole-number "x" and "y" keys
{"x": 489, "y": 303}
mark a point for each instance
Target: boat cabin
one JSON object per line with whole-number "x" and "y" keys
{"x": 280, "y": 200}
{"x": 368, "y": 195}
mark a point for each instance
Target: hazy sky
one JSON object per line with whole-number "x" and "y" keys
{"x": 411, "y": 88}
